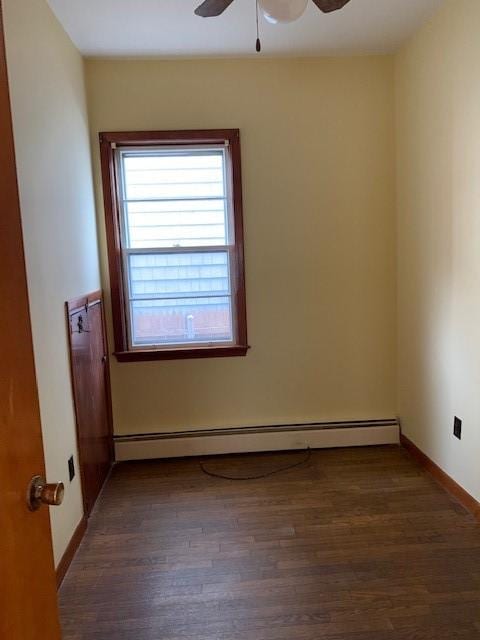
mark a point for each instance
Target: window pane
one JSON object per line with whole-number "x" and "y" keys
{"x": 181, "y": 223}
{"x": 173, "y": 174}
{"x": 181, "y": 321}
{"x": 175, "y": 275}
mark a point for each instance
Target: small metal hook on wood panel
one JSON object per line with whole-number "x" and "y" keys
{"x": 80, "y": 327}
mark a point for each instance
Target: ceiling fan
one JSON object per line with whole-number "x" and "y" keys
{"x": 212, "y": 8}
{"x": 274, "y": 11}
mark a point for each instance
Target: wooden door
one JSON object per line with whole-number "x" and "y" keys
{"x": 28, "y": 601}
{"x": 91, "y": 390}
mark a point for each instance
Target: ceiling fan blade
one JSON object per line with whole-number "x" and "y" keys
{"x": 212, "y": 8}
{"x": 327, "y": 6}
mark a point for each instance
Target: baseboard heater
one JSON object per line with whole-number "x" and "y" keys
{"x": 280, "y": 437}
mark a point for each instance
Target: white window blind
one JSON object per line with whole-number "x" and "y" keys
{"x": 177, "y": 242}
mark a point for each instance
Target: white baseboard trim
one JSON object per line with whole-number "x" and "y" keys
{"x": 257, "y": 439}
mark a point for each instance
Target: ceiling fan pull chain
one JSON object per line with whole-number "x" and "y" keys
{"x": 258, "y": 45}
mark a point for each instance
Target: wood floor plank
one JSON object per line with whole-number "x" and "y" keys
{"x": 357, "y": 544}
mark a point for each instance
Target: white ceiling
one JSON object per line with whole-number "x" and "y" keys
{"x": 170, "y": 28}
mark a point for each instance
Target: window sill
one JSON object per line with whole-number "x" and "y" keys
{"x": 181, "y": 354}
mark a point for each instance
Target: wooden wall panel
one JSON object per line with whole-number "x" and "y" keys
{"x": 91, "y": 388}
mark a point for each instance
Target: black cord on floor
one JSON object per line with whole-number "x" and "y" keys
{"x": 214, "y": 474}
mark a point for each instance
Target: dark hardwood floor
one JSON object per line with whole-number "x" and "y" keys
{"x": 358, "y": 544}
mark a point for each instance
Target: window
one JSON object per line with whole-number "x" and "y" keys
{"x": 173, "y": 206}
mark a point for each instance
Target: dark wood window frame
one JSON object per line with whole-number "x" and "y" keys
{"x": 109, "y": 141}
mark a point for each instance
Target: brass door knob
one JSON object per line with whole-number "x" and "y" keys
{"x": 40, "y": 492}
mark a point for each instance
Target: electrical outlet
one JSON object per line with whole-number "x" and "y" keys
{"x": 71, "y": 468}
{"x": 457, "y": 428}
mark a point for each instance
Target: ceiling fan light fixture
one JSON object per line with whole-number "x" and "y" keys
{"x": 282, "y": 11}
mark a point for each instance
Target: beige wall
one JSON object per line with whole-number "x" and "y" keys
{"x": 54, "y": 171}
{"x": 318, "y": 167}
{"x": 438, "y": 135}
